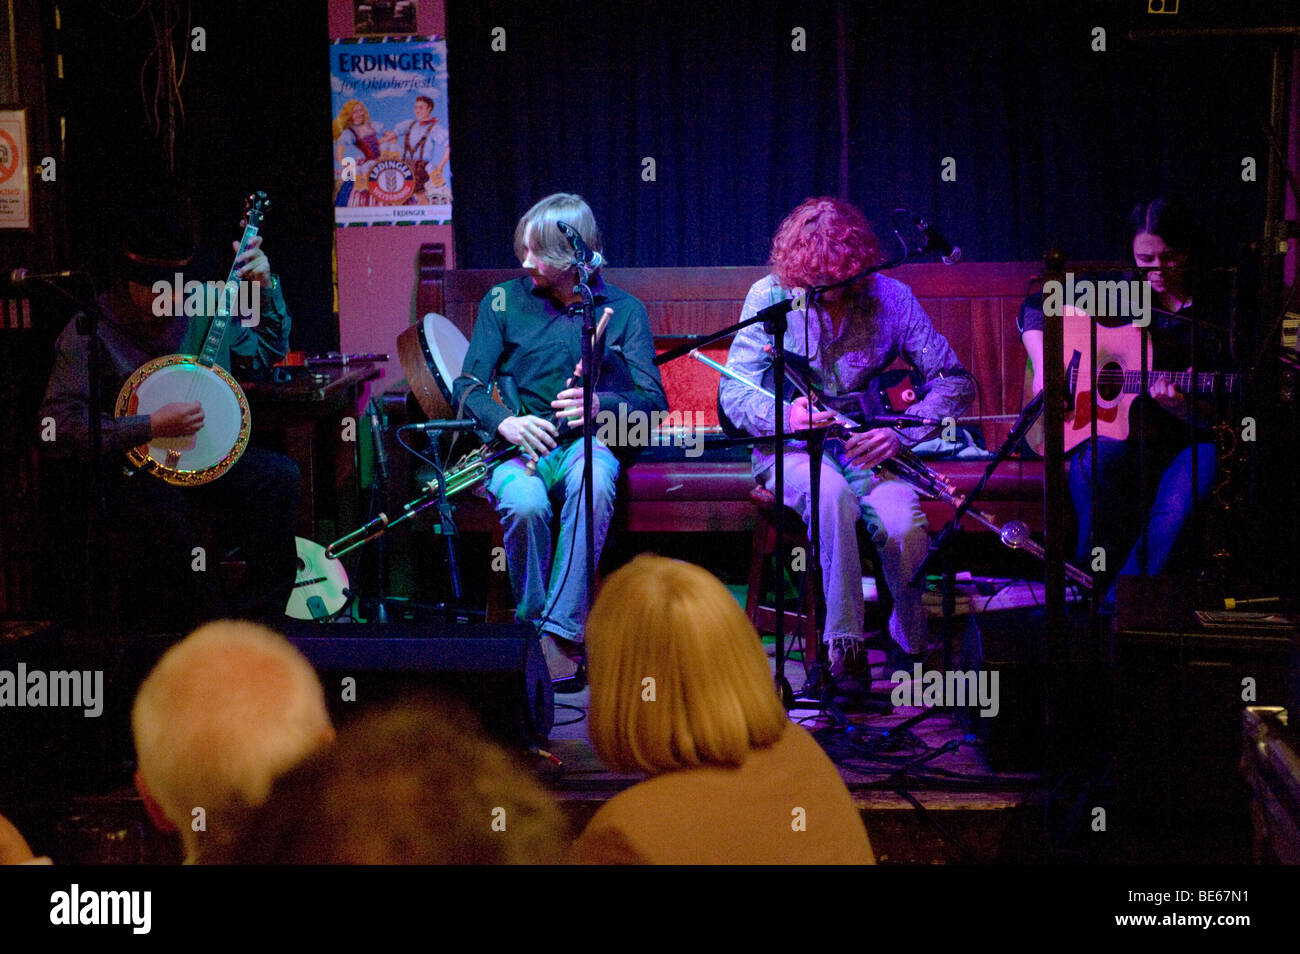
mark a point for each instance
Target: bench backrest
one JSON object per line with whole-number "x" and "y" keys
{"x": 974, "y": 305}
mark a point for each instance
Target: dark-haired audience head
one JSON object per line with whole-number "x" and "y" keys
{"x": 678, "y": 675}
{"x": 413, "y": 784}
{"x": 823, "y": 241}
{"x": 1166, "y": 239}
{"x": 224, "y": 712}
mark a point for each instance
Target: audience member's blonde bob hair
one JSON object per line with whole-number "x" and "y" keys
{"x": 537, "y": 228}
{"x": 678, "y": 675}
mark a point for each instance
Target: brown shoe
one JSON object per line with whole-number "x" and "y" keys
{"x": 563, "y": 656}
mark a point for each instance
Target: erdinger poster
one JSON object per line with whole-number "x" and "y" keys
{"x": 391, "y": 148}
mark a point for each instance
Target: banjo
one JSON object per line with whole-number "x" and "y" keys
{"x": 202, "y": 457}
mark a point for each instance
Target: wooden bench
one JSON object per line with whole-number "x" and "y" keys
{"x": 973, "y": 305}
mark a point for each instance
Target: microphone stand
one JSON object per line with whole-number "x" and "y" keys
{"x": 87, "y": 318}
{"x": 88, "y": 325}
{"x": 378, "y": 494}
{"x": 940, "y": 545}
{"x": 775, "y": 317}
{"x": 583, "y": 289}
{"x": 446, "y": 527}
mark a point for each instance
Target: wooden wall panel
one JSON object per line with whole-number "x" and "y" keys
{"x": 1013, "y": 357}
{"x": 954, "y": 323}
{"x": 973, "y": 305}
{"x": 986, "y": 364}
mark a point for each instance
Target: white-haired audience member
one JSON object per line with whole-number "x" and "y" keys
{"x": 223, "y": 713}
{"x": 681, "y": 691}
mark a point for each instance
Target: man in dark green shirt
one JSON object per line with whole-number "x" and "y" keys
{"x": 528, "y": 338}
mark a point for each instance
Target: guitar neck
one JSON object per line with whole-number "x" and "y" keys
{"x": 1205, "y": 382}
{"x": 229, "y": 294}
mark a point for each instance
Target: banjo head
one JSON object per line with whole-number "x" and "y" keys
{"x": 201, "y": 457}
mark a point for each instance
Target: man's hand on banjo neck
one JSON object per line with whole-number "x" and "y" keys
{"x": 253, "y": 264}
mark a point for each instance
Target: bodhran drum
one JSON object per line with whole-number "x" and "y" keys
{"x": 432, "y": 354}
{"x": 206, "y": 455}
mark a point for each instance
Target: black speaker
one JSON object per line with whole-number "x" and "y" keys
{"x": 1025, "y": 734}
{"x": 497, "y": 670}
{"x": 1181, "y": 692}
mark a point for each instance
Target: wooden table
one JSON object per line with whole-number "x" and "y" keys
{"x": 313, "y": 416}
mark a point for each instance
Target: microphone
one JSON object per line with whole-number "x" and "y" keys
{"x": 949, "y": 254}
{"x": 899, "y": 420}
{"x": 771, "y": 313}
{"x": 452, "y": 425}
{"x": 582, "y": 253}
{"x": 377, "y": 434}
{"x": 21, "y": 277}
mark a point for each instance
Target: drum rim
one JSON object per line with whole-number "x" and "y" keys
{"x": 429, "y": 358}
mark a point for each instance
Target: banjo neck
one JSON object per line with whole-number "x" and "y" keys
{"x": 230, "y": 289}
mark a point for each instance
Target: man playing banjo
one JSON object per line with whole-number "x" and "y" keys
{"x": 254, "y": 504}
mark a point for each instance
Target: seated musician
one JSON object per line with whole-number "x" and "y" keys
{"x": 254, "y": 504}
{"x": 852, "y": 334}
{"x": 1165, "y": 241}
{"x": 528, "y": 338}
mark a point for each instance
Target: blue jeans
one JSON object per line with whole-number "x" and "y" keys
{"x": 1116, "y": 470}
{"x": 552, "y": 593}
{"x": 897, "y": 526}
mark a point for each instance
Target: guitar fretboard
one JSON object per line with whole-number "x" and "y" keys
{"x": 1131, "y": 381}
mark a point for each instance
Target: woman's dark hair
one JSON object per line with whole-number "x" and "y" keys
{"x": 1171, "y": 219}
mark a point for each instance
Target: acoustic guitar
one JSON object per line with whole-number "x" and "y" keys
{"x": 1119, "y": 379}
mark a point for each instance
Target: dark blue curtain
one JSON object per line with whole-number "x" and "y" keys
{"x": 257, "y": 116}
{"x": 1053, "y": 141}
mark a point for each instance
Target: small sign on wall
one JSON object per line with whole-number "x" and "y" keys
{"x": 15, "y": 171}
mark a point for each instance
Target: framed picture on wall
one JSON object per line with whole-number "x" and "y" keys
{"x": 381, "y": 17}
{"x": 15, "y": 174}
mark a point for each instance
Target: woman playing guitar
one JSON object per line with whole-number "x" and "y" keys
{"x": 1149, "y": 432}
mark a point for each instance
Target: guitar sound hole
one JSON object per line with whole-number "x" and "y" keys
{"x": 1110, "y": 381}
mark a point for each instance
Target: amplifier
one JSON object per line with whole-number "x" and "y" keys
{"x": 497, "y": 670}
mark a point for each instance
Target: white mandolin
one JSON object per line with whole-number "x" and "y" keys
{"x": 320, "y": 590}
